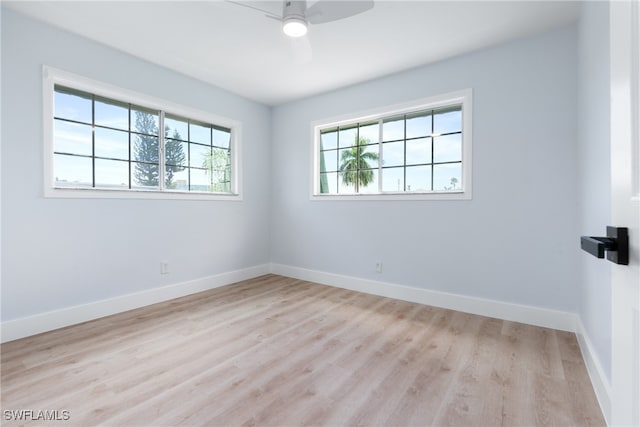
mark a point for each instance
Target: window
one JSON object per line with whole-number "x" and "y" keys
{"x": 113, "y": 143}
{"x": 418, "y": 150}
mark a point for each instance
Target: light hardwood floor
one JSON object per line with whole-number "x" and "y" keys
{"x": 276, "y": 351}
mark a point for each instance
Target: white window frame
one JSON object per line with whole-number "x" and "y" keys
{"x": 462, "y": 97}
{"x": 53, "y": 76}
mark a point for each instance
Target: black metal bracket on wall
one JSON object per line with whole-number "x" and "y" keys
{"x": 615, "y": 245}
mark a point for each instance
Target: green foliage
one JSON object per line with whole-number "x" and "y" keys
{"x": 175, "y": 157}
{"x": 454, "y": 183}
{"x": 147, "y": 168}
{"x": 218, "y": 167}
{"x": 354, "y": 165}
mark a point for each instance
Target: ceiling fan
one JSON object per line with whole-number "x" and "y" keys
{"x": 296, "y": 17}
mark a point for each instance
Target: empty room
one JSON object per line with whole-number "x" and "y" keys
{"x": 327, "y": 213}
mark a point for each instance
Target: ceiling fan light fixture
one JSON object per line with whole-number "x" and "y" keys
{"x": 294, "y": 26}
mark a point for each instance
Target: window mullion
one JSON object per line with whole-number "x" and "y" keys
{"x": 130, "y": 140}
{"x": 93, "y": 141}
{"x": 404, "y": 154}
{"x": 358, "y": 159}
{"x": 380, "y": 156}
{"x": 161, "y": 151}
{"x": 433, "y": 143}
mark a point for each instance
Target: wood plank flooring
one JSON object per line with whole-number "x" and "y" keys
{"x": 276, "y": 351}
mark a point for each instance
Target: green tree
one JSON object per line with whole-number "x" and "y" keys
{"x": 218, "y": 167}
{"x": 175, "y": 157}
{"x": 454, "y": 182}
{"x": 354, "y": 165}
{"x": 147, "y": 168}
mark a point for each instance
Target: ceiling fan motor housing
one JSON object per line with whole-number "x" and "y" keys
{"x": 294, "y": 9}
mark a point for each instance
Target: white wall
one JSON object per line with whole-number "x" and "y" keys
{"x": 594, "y": 174}
{"x": 58, "y": 253}
{"x": 516, "y": 241}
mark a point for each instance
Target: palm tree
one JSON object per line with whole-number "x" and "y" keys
{"x": 354, "y": 165}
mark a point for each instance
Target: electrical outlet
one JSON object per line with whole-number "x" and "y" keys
{"x": 378, "y": 266}
{"x": 164, "y": 267}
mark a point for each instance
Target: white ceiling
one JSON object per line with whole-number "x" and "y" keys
{"x": 239, "y": 49}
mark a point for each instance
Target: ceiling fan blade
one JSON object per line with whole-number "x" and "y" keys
{"x": 300, "y": 48}
{"x": 328, "y": 10}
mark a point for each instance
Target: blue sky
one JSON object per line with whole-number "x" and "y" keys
{"x": 113, "y": 144}
{"x": 420, "y": 137}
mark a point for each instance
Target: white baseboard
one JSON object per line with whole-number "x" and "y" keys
{"x": 31, "y": 325}
{"x": 599, "y": 380}
{"x": 553, "y": 319}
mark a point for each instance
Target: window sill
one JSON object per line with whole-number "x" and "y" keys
{"x": 105, "y": 193}
{"x": 460, "y": 195}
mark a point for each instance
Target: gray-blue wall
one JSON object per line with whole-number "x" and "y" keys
{"x": 514, "y": 242}
{"x": 57, "y": 253}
